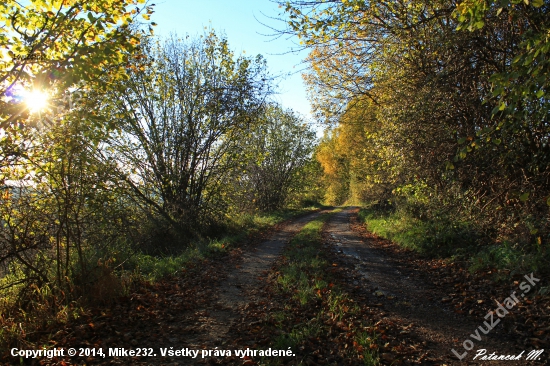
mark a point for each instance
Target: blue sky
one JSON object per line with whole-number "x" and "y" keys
{"x": 240, "y": 21}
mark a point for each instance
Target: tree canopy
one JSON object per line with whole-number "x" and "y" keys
{"x": 452, "y": 99}
{"x": 53, "y": 45}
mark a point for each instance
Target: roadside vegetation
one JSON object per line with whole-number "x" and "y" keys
{"x": 437, "y": 121}
{"x": 124, "y": 157}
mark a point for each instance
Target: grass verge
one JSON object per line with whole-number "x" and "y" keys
{"x": 456, "y": 241}
{"x": 320, "y": 321}
{"x": 153, "y": 268}
{"x": 435, "y": 238}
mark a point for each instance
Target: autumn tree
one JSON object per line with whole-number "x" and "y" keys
{"x": 359, "y": 166}
{"x": 57, "y": 192}
{"x": 460, "y": 91}
{"x": 279, "y": 149}
{"x": 182, "y": 114}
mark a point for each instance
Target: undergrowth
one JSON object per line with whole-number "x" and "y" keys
{"x": 447, "y": 238}
{"x": 26, "y": 314}
{"x": 436, "y": 238}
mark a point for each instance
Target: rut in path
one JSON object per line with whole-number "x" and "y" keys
{"x": 238, "y": 289}
{"x": 230, "y": 296}
{"x": 409, "y": 300}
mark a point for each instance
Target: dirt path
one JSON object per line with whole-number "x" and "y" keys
{"x": 228, "y": 298}
{"x": 191, "y": 311}
{"x": 409, "y": 300}
{"x": 240, "y": 288}
{"x": 226, "y": 302}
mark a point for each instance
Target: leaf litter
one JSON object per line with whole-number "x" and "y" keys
{"x": 231, "y": 302}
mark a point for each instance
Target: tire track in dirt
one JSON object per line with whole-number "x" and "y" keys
{"x": 237, "y": 290}
{"x": 407, "y": 300}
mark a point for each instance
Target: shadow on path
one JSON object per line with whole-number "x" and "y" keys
{"x": 407, "y": 299}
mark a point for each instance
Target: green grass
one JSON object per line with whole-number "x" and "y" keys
{"x": 247, "y": 223}
{"x": 304, "y": 270}
{"x": 405, "y": 231}
{"x": 153, "y": 268}
{"x": 315, "y": 298}
{"x": 454, "y": 240}
{"x": 435, "y": 238}
{"x": 506, "y": 260}
{"x": 310, "y": 329}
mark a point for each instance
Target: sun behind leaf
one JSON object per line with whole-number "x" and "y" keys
{"x": 36, "y": 100}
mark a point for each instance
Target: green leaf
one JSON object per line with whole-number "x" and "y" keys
{"x": 498, "y": 91}
{"x": 524, "y": 197}
{"x": 461, "y": 140}
{"x": 537, "y": 3}
{"x": 479, "y": 24}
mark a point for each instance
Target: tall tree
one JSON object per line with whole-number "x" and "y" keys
{"x": 183, "y": 111}
{"x": 460, "y": 88}
{"x": 280, "y": 147}
{"x": 57, "y": 192}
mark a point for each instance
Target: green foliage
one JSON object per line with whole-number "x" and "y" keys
{"x": 153, "y": 268}
{"x": 518, "y": 91}
{"x": 277, "y": 161}
{"x": 305, "y": 265}
{"x": 53, "y": 45}
{"x": 304, "y": 262}
{"x": 140, "y": 266}
{"x": 441, "y": 95}
{"x": 311, "y": 329}
{"x": 59, "y": 197}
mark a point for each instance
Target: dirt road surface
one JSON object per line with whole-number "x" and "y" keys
{"x": 225, "y": 301}
{"x": 407, "y": 299}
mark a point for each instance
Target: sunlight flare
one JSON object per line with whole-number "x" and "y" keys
{"x": 36, "y": 100}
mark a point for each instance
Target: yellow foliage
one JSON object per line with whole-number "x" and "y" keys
{"x": 353, "y": 157}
